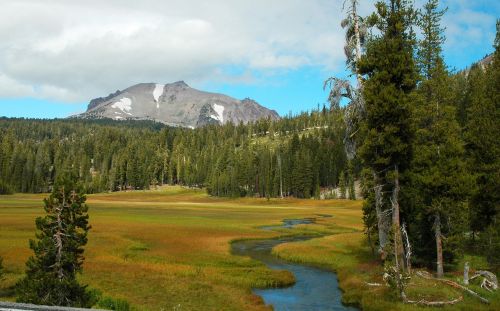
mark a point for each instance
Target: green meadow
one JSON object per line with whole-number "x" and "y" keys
{"x": 171, "y": 249}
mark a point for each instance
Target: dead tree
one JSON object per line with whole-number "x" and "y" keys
{"x": 490, "y": 281}
{"x": 439, "y": 246}
{"x": 466, "y": 273}
{"x": 398, "y": 242}
{"x": 382, "y": 217}
{"x": 355, "y": 36}
{"x": 407, "y": 248}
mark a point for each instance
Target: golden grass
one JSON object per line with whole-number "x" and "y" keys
{"x": 348, "y": 254}
{"x": 168, "y": 247}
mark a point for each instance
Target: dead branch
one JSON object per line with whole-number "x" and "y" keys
{"x": 490, "y": 280}
{"x": 407, "y": 247}
{"x": 373, "y": 284}
{"x": 428, "y": 276}
{"x": 426, "y": 303}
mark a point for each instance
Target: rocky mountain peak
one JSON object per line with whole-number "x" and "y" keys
{"x": 175, "y": 104}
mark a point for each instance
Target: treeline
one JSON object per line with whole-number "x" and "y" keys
{"x": 294, "y": 156}
{"x": 428, "y": 141}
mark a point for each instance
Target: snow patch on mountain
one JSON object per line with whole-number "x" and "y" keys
{"x": 125, "y": 105}
{"x": 157, "y": 92}
{"x": 219, "y": 109}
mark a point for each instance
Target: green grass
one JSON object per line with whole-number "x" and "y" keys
{"x": 170, "y": 248}
{"x": 348, "y": 255}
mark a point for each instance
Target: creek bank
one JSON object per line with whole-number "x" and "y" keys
{"x": 314, "y": 288}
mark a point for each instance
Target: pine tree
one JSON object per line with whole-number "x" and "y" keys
{"x": 429, "y": 53}
{"x": 438, "y": 169}
{"x": 51, "y": 273}
{"x": 483, "y": 148}
{"x": 387, "y": 147}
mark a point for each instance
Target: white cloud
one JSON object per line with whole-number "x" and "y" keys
{"x": 75, "y": 50}
{"x": 12, "y": 88}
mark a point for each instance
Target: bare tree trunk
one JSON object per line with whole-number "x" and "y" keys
{"x": 58, "y": 238}
{"x": 381, "y": 218}
{"x": 358, "y": 40}
{"x": 407, "y": 248}
{"x": 466, "y": 273}
{"x": 398, "y": 241}
{"x": 439, "y": 246}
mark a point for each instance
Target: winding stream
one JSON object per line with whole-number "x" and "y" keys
{"x": 314, "y": 289}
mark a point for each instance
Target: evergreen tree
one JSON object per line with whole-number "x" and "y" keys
{"x": 440, "y": 178}
{"x": 483, "y": 148}
{"x": 429, "y": 53}
{"x": 51, "y": 273}
{"x": 387, "y": 147}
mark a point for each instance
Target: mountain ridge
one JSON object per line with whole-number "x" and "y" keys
{"x": 175, "y": 104}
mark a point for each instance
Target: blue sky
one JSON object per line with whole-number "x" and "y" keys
{"x": 278, "y": 53}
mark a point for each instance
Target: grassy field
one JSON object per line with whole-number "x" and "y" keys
{"x": 170, "y": 249}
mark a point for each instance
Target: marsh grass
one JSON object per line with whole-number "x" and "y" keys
{"x": 170, "y": 248}
{"x": 349, "y": 255}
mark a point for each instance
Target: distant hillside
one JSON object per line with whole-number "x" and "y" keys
{"x": 483, "y": 63}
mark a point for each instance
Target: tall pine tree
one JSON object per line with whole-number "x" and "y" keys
{"x": 391, "y": 78}
{"x": 483, "y": 148}
{"x": 440, "y": 177}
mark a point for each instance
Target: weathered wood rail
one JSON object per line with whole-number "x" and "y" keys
{"x": 12, "y": 306}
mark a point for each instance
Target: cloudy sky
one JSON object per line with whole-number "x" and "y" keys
{"x": 56, "y": 55}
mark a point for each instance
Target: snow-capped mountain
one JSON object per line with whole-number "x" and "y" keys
{"x": 175, "y": 104}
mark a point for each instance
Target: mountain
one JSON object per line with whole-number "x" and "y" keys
{"x": 175, "y": 104}
{"x": 483, "y": 63}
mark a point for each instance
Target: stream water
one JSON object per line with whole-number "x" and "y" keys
{"x": 314, "y": 289}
